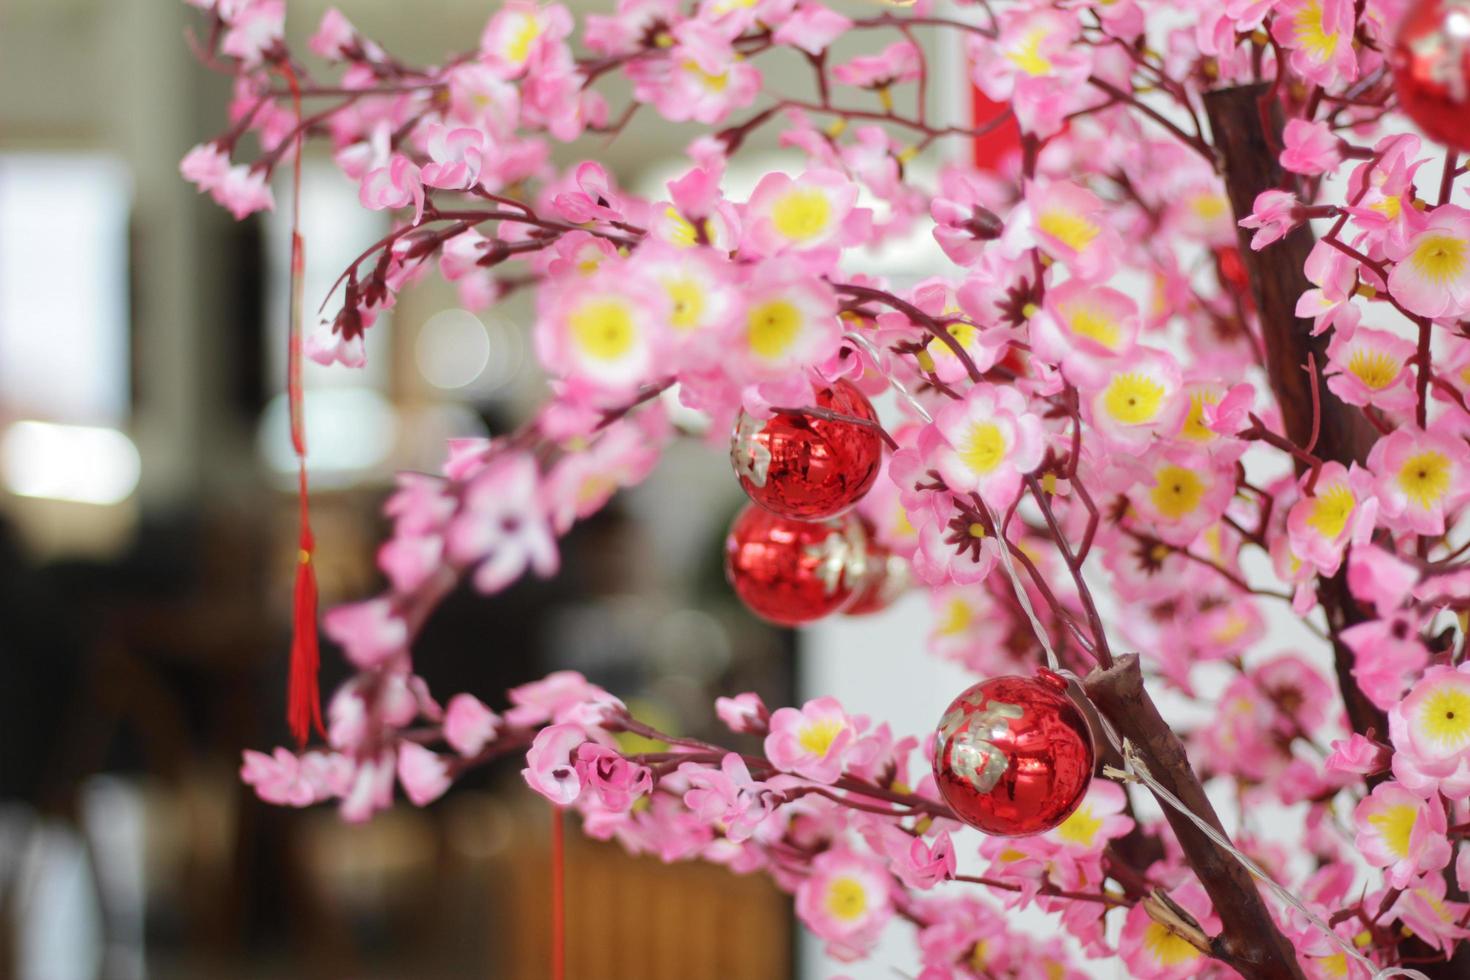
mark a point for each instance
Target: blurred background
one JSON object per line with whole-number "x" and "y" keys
{"x": 147, "y": 545}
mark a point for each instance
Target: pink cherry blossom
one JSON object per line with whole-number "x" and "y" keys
{"x": 1274, "y": 214}
{"x": 395, "y": 186}
{"x": 845, "y": 899}
{"x": 468, "y": 725}
{"x": 1311, "y": 148}
{"x": 813, "y": 211}
{"x": 1431, "y": 733}
{"x": 988, "y": 442}
{"x": 614, "y": 782}
{"x": 456, "y": 157}
{"x": 1420, "y": 477}
{"x": 1340, "y": 508}
{"x": 1069, "y": 223}
{"x": 243, "y": 191}
{"x": 899, "y": 62}
{"x": 1319, "y": 35}
{"x": 1370, "y": 367}
{"x": 254, "y": 30}
{"x": 369, "y": 632}
{"x": 813, "y": 741}
{"x": 744, "y": 713}
{"x": 1401, "y": 832}
{"x": 291, "y": 780}
{"x": 1357, "y": 754}
{"x": 1431, "y": 272}
{"x": 1034, "y": 65}
{"x": 1152, "y": 952}
{"x": 555, "y": 697}
{"x": 502, "y": 527}
{"x": 812, "y": 27}
{"x": 205, "y": 166}
{"x": 423, "y": 774}
{"x": 550, "y": 769}
{"x": 728, "y": 796}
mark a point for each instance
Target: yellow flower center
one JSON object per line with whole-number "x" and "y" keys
{"x": 1396, "y": 825}
{"x": 1177, "y": 491}
{"x": 963, "y": 333}
{"x": 1375, "y": 368}
{"x": 902, "y": 526}
{"x": 713, "y": 83}
{"x": 1444, "y": 717}
{"x": 1331, "y": 508}
{"x": 1094, "y": 325}
{"x": 1081, "y": 827}
{"x": 957, "y": 618}
{"x": 1425, "y": 477}
{"x": 1311, "y": 34}
{"x": 603, "y": 328}
{"x": 1390, "y": 207}
{"x": 682, "y": 231}
{"x": 801, "y": 214}
{"x": 846, "y": 899}
{"x": 1133, "y": 398}
{"x": 1209, "y": 207}
{"x": 1027, "y": 55}
{"x": 1194, "y": 428}
{"x": 1166, "y": 948}
{"x": 688, "y": 299}
{"x": 984, "y": 447}
{"x": 772, "y": 327}
{"x": 518, "y": 49}
{"x": 1439, "y": 258}
{"x": 1068, "y": 227}
{"x": 818, "y": 736}
{"x": 980, "y": 956}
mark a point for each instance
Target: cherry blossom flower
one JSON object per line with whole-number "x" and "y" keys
{"x": 468, "y": 725}
{"x": 1069, "y": 225}
{"x": 810, "y": 212}
{"x": 457, "y": 155}
{"x": 1340, "y": 509}
{"x": 518, "y": 30}
{"x": 550, "y": 769}
{"x": 744, "y": 713}
{"x": 702, "y": 79}
{"x": 1319, "y": 35}
{"x": 812, "y": 742}
{"x": 1387, "y": 655}
{"x": 1183, "y": 493}
{"x": 987, "y": 443}
{"x": 789, "y": 321}
{"x": 556, "y": 697}
{"x": 1082, "y": 325}
{"x": 1431, "y": 274}
{"x": 290, "y": 780}
{"x": 613, "y": 781}
{"x": 1420, "y": 478}
{"x": 1370, "y": 367}
{"x": 205, "y": 166}
{"x": 899, "y": 62}
{"x": 1311, "y": 148}
{"x": 846, "y": 899}
{"x": 1033, "y": 65}
{"x": 610, "y": 332}
{"x": 1430, "y": 730}
{"x": 243, "y": 191}
{"x": 395, "y": 186}
{"x": 1138, "y": 397}
{"x": 728, "y": 796}
{"x": 811, "y": 27}
{"x": 254, "y": 30}
{"x": 1273, "y": 216}
{"x": 369, "y": 632}
{"x": 1357, "y": 754}
{"x": 423, "y": 774}
{"x": 1401, "y": 832}
{"x": 502, "y": 526}
{"x": 1330, "y": 304}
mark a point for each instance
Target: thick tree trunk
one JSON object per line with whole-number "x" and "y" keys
{"x": 1249, "y": 940}
{"x": 1238, "y": 121}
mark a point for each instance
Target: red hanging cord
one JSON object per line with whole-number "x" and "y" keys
{"x": 558, "y": 897}
{"x": 303, "y": 708}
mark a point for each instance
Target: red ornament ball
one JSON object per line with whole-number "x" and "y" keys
{"x": 887, "y": 577}
{"x": 805, "y": 467}
{"x": 1431, "y": 69}
{"x": 793, "y": 572}
{"x": 1014, "y": 755}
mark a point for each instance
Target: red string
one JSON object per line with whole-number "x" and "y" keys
{"x": 558, "y": 897}
{"x": 303, "y": 697}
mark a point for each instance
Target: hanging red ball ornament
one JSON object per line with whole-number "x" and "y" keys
{"x": 1431, "y": 69}
{"x": 1014, "y": 755}
{"x": 886, "y": 578}
{"x": 793, "y": 572}
{"x": 808, "y": 467}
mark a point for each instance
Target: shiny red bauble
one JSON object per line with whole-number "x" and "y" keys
{"x": 809, "y": 468}
{"x": 793, "y": 572}
{"x": 1014, "y": 755}
{"x": 1431, "y": 69}
{"x": 886, "y": 578}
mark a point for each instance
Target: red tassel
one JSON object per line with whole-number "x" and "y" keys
{"x": 303, "y": 698}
